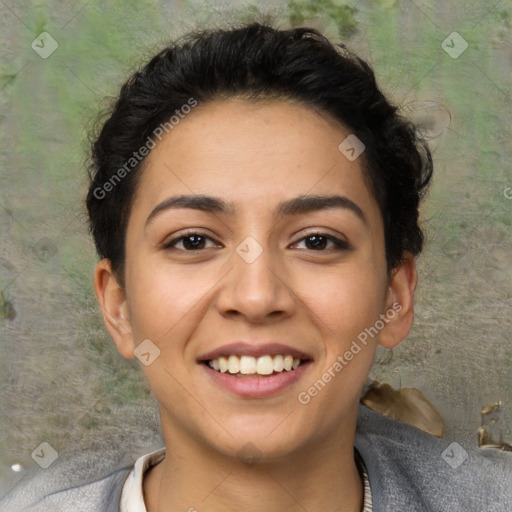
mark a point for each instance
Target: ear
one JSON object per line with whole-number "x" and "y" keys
{"x": 400, "y": 303}
{"x": 112, "y": 299}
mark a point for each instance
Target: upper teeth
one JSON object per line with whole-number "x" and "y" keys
{"x": 264, "y": 365}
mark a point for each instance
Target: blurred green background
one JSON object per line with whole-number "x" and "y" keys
{"x": 63, "y": 382}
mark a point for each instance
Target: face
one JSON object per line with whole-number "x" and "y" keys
{"x": 284, "y": 257}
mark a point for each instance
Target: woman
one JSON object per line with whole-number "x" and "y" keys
{"x": 254, "y": 203}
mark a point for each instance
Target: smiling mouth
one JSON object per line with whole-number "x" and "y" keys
{"x": 249, "y": 367}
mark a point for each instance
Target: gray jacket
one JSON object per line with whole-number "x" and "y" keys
{"x": 409, "y": 471}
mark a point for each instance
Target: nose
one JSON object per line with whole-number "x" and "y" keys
{"x": 259, "y": 290}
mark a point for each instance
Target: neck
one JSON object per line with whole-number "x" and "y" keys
{"x": 191, "y": 478}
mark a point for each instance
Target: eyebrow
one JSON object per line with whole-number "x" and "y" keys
{"x": 297, "y": 206}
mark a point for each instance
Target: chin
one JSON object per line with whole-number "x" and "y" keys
{"x": 271, "y": 440}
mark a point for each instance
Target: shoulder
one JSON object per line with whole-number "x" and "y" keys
{"x": 411, "y": 470}
{"x": 89, "y": 481}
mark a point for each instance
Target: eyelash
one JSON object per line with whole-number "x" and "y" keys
{"x": 340, "y": 245}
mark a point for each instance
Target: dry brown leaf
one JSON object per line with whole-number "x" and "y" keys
{"x": 408, "y": 405}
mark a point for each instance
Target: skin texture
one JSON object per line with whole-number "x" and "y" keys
{"x": 254, "y": 155}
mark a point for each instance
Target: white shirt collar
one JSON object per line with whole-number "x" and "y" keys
{"x": 132, "y": 495}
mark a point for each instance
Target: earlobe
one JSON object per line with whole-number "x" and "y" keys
{"x": 112, "y": 300}
{"x": 400, "y": 303}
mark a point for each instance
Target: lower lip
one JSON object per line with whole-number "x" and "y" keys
{"x": 259, "y": 387}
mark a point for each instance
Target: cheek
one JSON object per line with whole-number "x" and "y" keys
{"x": 345, "y": 301}
{"x": 161, "y": 299}
{"x": 344, "y": 305}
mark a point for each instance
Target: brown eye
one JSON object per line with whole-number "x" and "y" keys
{"x": 190, "y": 242}
{"x": 320, "y": 241}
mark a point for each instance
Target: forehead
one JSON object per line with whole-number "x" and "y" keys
{"x": 253, "y": 153}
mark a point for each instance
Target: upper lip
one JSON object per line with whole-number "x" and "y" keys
{"x": 243, "y": 348}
